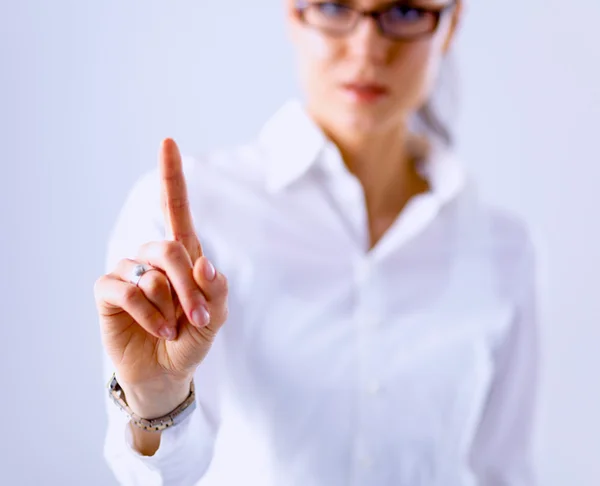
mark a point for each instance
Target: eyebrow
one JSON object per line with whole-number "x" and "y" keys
{"x": 387, "y": 4}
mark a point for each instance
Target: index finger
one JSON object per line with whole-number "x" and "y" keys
{"x": 174, "y": 197}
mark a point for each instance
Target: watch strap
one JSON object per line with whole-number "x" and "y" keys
{"x": 158, "y": 424}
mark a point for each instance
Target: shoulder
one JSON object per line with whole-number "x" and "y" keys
{"x": 499, "y": 239}
{"x": 517, "y": 247}
{"x": 510, "y": 232}
{"x": 490, "y": 225}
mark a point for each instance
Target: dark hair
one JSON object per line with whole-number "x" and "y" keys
{"x": 434, "y": 125}
{"x": 443, "y": 100}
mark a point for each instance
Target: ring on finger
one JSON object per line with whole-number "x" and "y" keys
{"x": 138, "y": 271}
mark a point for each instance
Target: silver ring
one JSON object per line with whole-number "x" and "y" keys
{"x": 137, "y": 272}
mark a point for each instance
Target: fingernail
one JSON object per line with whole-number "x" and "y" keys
{"x": 167, "y": 333}
{"x": 200, "y": 316}
{"x": 209, "y": 271}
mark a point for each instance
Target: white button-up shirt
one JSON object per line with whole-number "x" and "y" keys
{"x": 410, "y": 364}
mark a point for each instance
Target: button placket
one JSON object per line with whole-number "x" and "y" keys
{"x": 368, "y": 319}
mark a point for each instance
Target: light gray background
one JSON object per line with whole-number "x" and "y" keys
{"x": 89, "y": 88}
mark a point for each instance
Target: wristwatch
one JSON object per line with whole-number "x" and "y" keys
{"x": 158, "y": 424}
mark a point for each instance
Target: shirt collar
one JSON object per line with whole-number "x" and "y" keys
{"x": 294, "y": 143}
{"x": 444, "y": 172}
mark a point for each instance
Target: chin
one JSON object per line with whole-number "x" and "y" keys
{"x": 343, "y": 114}
{"x": 364, "y": 118}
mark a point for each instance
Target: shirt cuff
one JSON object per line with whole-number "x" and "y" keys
{"x": 185, "y": 450}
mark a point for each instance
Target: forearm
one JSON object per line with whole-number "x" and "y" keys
{"x": 144, "y": 442}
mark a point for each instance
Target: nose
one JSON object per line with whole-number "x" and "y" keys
{"x": 367, "y": 43}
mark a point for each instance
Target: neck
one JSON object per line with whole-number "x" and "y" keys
{"x": 384, "y": 162}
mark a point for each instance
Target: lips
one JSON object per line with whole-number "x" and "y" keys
{"x": 367, "y": 88}
{"x": 364, "y": 91}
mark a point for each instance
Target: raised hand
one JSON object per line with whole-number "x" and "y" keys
{"x": 157, "y": 328}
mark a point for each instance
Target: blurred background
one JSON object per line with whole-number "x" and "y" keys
{"x": 88, "y": 90}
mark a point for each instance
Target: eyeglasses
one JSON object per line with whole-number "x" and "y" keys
{"x": 400, "y": 21}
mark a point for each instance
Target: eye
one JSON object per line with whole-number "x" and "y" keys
{"x": 332, "y": 9}
{"x": 404, "y": 13}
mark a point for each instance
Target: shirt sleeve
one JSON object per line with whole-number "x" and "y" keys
{"x": 502, "y": 453}
{"x": 186, "y": 450}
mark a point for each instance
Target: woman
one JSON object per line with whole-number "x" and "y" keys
{"x": 381, "y": 321}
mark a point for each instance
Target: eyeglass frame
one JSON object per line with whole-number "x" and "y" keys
{"x": 375, "y": 15}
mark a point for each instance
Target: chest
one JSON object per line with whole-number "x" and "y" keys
{"x": 328, "y": 338}
{"x": 397, "y": 354}
{"x": 419, "y": 327}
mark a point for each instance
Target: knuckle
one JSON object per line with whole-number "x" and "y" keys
{"x": 186, "y": 233}
{"x": 178, "y": 203}
{"x": 123, "y": 267}
{"x": 150, "y": 316}
{"x": 193, "y": 297}
{"x": 130, "y": 295}
{"x": 172, "y": 250}
{"x": 156, "y": 284}
{"x": 102, "y": 283}
{"x": 99, "y": 284}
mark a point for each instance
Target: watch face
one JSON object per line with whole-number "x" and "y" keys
{"x": 112, "y": 381}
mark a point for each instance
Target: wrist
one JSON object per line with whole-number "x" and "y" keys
{"x": 156, "y": 400}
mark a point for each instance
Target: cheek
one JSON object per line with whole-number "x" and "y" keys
{"x": 415, "y": 71}
{"x": 315, "y": 48}
{"x": 316, "y": 58}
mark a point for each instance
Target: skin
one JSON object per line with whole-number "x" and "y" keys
{"x": 184, "y": 294}
{"x": 372, "y": 137}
